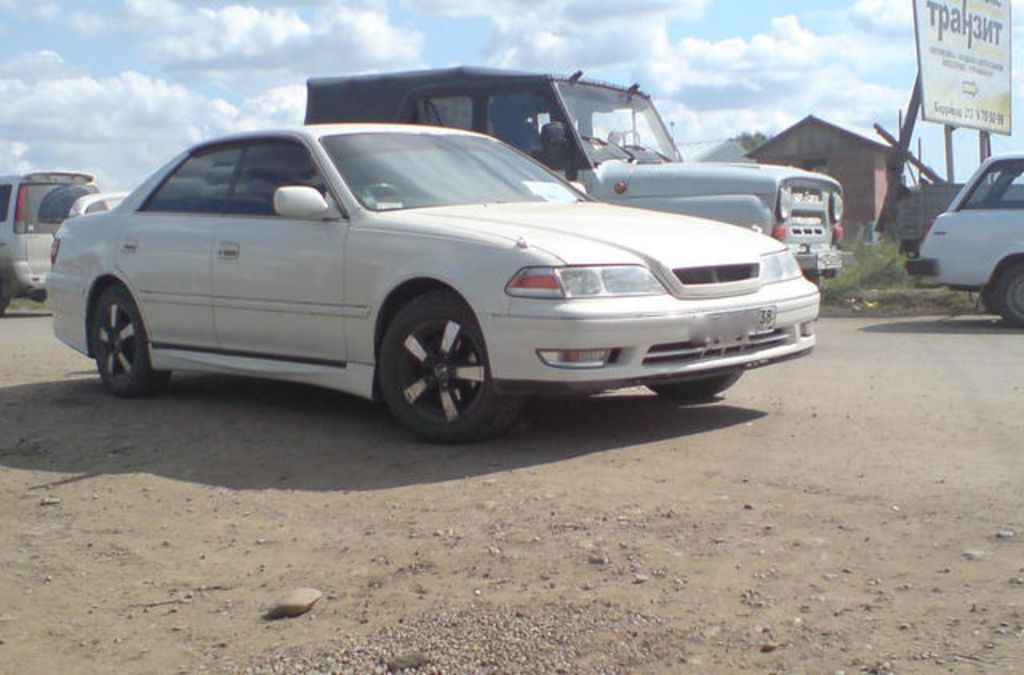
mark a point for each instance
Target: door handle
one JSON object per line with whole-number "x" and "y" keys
{"x": 130, "y": 246}
{"x": 228, "y": 250}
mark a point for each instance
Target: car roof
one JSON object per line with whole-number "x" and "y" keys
{"x": 316, "y": 131}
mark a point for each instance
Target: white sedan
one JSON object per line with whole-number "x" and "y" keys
{"x": 438, "y": 270}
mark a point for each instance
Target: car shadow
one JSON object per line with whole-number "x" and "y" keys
{"x": 22, "y": 314}
{"x": 946, "y": 326}
{"x": 254, "y": 434}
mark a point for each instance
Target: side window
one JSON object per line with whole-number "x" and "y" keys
{"x": 446, "y": 111}
{"x": 5, "y": 201}
{"x": 518, "y": 118}
{"x": 266, "y": 167}
{"x": 200, "y": 185}
{"x": 1002, "y": 187}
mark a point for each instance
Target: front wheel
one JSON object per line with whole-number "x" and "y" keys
{"x": 696, "y": 391}
{"x": 119, "y": 344}
{"x": 1010, "y": 294}
{"x": 434, "y": 373}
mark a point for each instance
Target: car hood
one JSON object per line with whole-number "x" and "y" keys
{"x": 677, "y": 179}
{"x": 592, "y": 233}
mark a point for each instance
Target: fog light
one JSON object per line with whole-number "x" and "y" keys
{"x": 575, "y": 358}
{"x": 807, "y": 329}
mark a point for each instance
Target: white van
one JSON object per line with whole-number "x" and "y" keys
{"x": 32, "y": 207}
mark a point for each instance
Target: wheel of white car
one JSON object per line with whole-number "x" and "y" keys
{"x": 696, "y": 391}
{"x": 1010, "y": 292}
{"x": 5, "y": 300}
{"x": 119, "y": 343}
{"x": 434, "y": 373}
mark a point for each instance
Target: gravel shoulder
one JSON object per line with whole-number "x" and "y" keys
{"x": 858, "y": 510}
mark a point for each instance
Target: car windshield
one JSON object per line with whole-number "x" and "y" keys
{"x": 617, "y": 125}
{"x": 389, "y": 171}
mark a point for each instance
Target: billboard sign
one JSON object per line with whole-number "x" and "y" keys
{"x": 963, "y": 52}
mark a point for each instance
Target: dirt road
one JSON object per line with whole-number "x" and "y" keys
{"x": 858, "y": 510}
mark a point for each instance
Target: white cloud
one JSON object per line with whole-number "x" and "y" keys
{"x": 271, "y": 45}
{"x": 122, "y": 127}
{"x": 42, "y": 11}
{"x": 884, "y": 17}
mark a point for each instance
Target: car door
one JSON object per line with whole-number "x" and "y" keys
{"x": 277, "y": 282}
{"x": 989, "y": 223}
{"x": 165, "y": 248}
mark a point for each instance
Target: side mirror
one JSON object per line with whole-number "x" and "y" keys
{"x": 301, "y": 202}
{"x": 554, "y": 145}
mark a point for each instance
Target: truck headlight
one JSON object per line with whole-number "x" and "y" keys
{"x": 584, "y": 282}
{"x": 785, "y": 207}
{"x": 781, "y": 266}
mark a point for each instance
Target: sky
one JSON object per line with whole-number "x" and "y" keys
{"x": 119, "y": 87}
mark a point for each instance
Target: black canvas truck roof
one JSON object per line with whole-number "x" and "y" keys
{"x": 381, "y": 98}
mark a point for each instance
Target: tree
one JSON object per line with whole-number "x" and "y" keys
{"x": 751, "y": 139}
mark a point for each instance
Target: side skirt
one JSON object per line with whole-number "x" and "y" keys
{"x": 350, "y": 378}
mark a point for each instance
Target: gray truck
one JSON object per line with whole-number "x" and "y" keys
{"x": 609, "y": 139}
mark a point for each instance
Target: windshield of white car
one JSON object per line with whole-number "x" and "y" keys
{"x": 391, "y": 171}
{"x": 617, "y": 125}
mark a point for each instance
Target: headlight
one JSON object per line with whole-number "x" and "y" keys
{"x": 584, "y": 282}
{"x": 785, "y": 207}
{"x": 836, "y": 207}
{"x": 781, "y": 266}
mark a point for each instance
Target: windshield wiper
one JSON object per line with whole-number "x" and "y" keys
{"x": 603, "y": 143}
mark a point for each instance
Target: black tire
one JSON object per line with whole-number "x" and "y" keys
{"x": 434, "y": 373}
{"x": 696, "y": 391}
{"x": 990, "y": 301}
{"x": 5, "y": 299}
{"x": 1009, "y": 292}
{"x": 120, "y": 346}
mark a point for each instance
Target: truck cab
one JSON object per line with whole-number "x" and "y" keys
{"x": 32, "y": 208}
{"x": 609, "y": 139}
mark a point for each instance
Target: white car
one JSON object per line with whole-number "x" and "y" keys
{"x": 95, "y": 203}
{"x": 978, "y": 243}
{"x": 439, "y": 270}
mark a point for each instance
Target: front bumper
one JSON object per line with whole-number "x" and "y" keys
{"x": 657, "y": 341}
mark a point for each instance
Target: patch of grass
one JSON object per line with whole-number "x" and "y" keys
{"x": 877, "y": 281}
{"x": 26, "y": 305}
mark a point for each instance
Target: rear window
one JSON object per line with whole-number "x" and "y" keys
{"x": 56, "y": 205}
{"x": 5, "y": 201}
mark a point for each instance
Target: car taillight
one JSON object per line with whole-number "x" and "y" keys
{"x": 838, "y": 234}
{"x": 54, "y": 250}
{"x": 20, "y": 207}
{"x": 779, "y": 232}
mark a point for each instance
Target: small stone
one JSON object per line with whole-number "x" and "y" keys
{"x": 294, "y": 603}
{"x": 748, "y": 507}
{"x": 974, "y": 555}
{"x": 598, "y": 560}
{"x": 1005, "y": 534}
{"x": 1017, "y": 581}
{"x": 49, "y": 501}
{"x": 408, "y": 660}
{"x": 768, "y": 647}
{"x": 640, "y": 578}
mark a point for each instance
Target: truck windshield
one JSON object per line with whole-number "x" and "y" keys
{"x": 616, "y": 125}
{"x": 390, "y": 171}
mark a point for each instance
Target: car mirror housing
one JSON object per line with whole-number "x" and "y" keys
{"x": 302, "y": 202}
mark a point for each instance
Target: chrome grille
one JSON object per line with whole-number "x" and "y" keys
{"x": 717, "y": 274}
{"x": 691, "y": 352}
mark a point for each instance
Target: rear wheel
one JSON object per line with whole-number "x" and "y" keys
{"x": 5, "y": 299}
{"x": 434, "y": 373}
{"x": 1010, "y": 294}
{"x": 119, "y": 344}
{"x": 696, "y": 391}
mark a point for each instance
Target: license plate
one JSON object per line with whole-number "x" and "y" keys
{"x": 725, "y": 329}
{"x": 830, "y": 260}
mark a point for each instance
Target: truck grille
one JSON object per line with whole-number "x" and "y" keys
{"x": 692, "y": 352}
{"x": 717, "y": 274}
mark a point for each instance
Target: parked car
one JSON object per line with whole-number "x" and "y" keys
{"x": 978, "y": 243}
{"x": 609, "y": 138}
{"x": 437, "y": 269}
{"x": 32, "y": 207}
{"x": 95, "y": 203}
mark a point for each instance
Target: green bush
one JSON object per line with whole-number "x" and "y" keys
{"x": 878, "y": 266}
